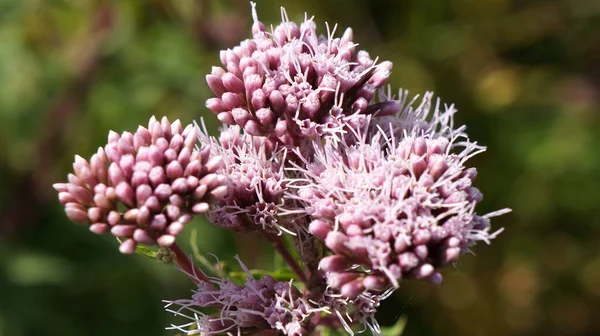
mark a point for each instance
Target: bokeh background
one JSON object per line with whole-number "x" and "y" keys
{"x": 525, "y": 76}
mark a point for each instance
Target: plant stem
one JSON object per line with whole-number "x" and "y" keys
{"x": 187, "y": 265}
{"x": 285, "y": 254}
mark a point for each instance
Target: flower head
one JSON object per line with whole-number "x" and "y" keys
{"x": 293, "y": 83}
{"x": 391, "y": 207}
{"x": 263, "y": 304}
{"x": 253, "y": 167}
{"x": 143, "y": 187}
{"x": 351, "y": 311}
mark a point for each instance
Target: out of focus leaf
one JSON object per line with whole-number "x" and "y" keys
{"x": 279, "y": 275}
{"x": 397, "y": 329}
{"x": 199, "y": 256}
{"x": 33, "y": 269}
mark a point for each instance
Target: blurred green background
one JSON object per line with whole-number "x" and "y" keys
{"x": 525, "y": 76}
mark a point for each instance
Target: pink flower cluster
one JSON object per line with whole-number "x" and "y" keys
{"x": 372, "y": 189}
{"x": 292, "y": 83}
{"x": 263, "y": 304}
{"x": 254, "y": 167}
{"x": 390, "y": 209}
{"x": 143, "y": 187}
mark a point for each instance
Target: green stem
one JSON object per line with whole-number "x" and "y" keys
{"x": 187, "y": 265}
{"x": 285, "y": 254}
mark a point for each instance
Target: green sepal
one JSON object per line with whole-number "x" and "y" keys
{"x": 142, "y": 250}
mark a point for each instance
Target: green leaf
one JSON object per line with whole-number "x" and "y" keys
{"x": 326, "y": 331}
{"x": 198, "y": 255}
{"x": 279, "y": 275}
{"x": 145, "y": 251}
{"x": 395, "y": 330}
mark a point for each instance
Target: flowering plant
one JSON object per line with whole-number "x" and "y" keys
{"x": 369, "y": 188}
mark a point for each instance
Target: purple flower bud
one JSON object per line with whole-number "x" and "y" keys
{"x": 159, "y": 222}
{"x": 123, "y": 230}
{"x": 352, "y": 289}
{"x": 334, "y": 263}
{"x": 113, "y": 217}
{"x": 125, "y": 193}
{"x": 200, "y": 191}
{"x": 143, "y": 216}
{"x": 163, "y": 191}
{"x": 233, "y": 83}
{"x": 219, "y": 192}
{"x": 65, "y": 197}
{"x": 142, "y": 193}
{"x": 216, "y": 105}
{"x": 99, "y": 228}
{"x": 337, "y": 280}
{"x": 336, "y": 241}
{"x": 216, "y": 84}
{"x": 375, "y": 283}
{"x": 166, "y": 240}
{"x": 142, "y": 236}
{"x": 153, "y": 204}
{"x": 128, "y": 246}
{"x": 157, "y": 176}
{"x": 319, "y": 229}
{"x": 77, "y": 215}
{"x": 95, "y": 214}
{"x": 174, "y": 170}
{"x": 200, "y": 208}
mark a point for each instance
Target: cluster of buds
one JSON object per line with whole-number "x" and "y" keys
{"x": 292, "y": 83}
{"x": 374, "y": 188}
{"x": 409, "y": 212}
{"x": 143, "y": 187}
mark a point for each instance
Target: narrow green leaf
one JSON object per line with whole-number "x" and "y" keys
{"x": 325, "y": 331}
{"x": 145, "y": 251}
{"x": 279, "y": 275}
{"x": 397, "y": 329}
{"x": 198, "y": 255}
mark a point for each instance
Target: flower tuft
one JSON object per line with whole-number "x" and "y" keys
{"x": 391, "y": 205}
{"x": 143, "y": 187}
{"x": 263, "y": 304}
{"x": 290, "y": 83}
{"x": 254, "y": 171}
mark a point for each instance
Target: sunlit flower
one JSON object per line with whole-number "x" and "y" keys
{"x": 392, "y": 205}
{"x": 263, "y": 304}
{"x": 253, "y": 167}
{"x": 293, "y": 83}
{"x": 143, "y": 187}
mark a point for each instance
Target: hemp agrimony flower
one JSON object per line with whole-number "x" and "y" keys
{"x": 254, "y": 169}
{"x": 371, "y": 189}
{"x": 391, "y": 207}
{"x": 261, "y": 304}
{"x": 292, "y": 83}
{"x": 143, "y": 187}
